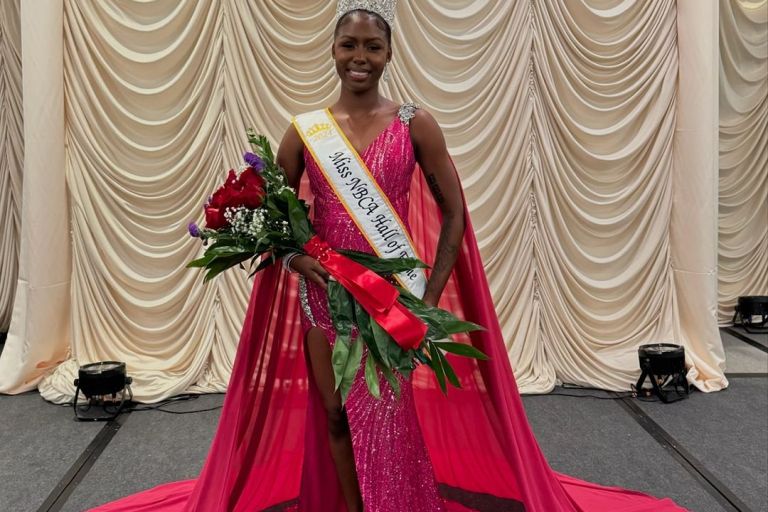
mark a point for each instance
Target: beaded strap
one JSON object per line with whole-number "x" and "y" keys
{"x": 304, "y": 300}
{"x": 407, "y": 112}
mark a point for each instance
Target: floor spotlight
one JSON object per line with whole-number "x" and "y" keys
{"x": 101, "y": 383}
{"x": 664, "y": 365}
{"x": 749, "y": 307}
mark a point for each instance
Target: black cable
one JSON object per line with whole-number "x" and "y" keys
{"x": 182, "y": 412}
{"x": 159, "y": 406}
{"x": 618, "y": 397}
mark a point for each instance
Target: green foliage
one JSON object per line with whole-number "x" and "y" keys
{"x": 341, "y": 307}
{"x": 440, "y": 323}
{"x": 384, "y": 266}
{"x": 437, "y": 366}
{"x": 461, "y": 349}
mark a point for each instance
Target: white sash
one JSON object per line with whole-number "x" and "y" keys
{"x": 358, "y": 191}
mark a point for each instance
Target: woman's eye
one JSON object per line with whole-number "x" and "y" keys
{"x": 374, "y": 48}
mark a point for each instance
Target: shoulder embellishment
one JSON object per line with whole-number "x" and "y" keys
{"x": 407, "y": 111}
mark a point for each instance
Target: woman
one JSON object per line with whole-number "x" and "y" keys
{"x": 284, "y": 440}
{"x": 374, "y": 126}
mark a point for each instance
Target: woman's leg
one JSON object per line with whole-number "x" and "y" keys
{"x": 319, "y": 350}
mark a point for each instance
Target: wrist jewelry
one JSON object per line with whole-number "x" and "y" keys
{"x": 287, "y": 259}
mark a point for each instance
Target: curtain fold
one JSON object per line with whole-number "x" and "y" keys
{"x": 11, "y": 155}
{"x": 743, "y": 179}
{"x": 561, "y": 117}
{"x": 39, "y": 332}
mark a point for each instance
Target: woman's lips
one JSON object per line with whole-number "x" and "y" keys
{"x": 358, "y": 75}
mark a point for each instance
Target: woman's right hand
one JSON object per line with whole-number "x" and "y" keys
{"x": 311, "y": 269}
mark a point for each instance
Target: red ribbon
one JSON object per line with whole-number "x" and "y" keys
{"x": 377, "y": 296}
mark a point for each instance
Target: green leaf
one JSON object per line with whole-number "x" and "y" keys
{"x": 448, "y": 369}
{"x": 350, "y": 371}
{"x": 264, "y": 263}
{"x": 363, "y": 322}
{"x": 391, "y": 378}
{"x": 219, "y": 265}
{"x": 437, "y": 366}
{"x": 383, "y": 265}
{"x": 298, "y": 218}
{"x": 419, "y": 354}
{"x": 339, "y": 360}
{"x": 406, "y": 371}
{"x": 371, "y": 377}
{"x": 462, "y": 349}
{"x": 226, "y": 250}
{"x": 442, "y": 323}
{"x": 342, "y": 308}
{"x": 386, "y": 346}
{"x": 200, "y": 262}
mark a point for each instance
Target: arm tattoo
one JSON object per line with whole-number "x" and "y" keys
{"x": 435, "y": 188}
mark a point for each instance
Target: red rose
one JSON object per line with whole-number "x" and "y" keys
{"x": 217, "y": 199}
{"x": 252, "y": 188}
{"x": 246, "y": 190}
{"x": 214, "y": 218}
{"x": 231, "y": 179}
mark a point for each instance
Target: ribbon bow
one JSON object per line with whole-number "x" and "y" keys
{"x": 377, "y": 296}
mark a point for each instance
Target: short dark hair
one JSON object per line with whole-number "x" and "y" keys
{"x": 381, "y": 22}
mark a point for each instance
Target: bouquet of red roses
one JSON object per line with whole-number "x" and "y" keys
{"x": 256, "y": 216}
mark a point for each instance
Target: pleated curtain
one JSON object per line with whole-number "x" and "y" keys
{"x": 566, "y": 120}
{"x": 743, "y": 180}
{"x": 11, "y": 156}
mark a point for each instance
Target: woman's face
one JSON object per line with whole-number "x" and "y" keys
{"x": 361, "y": 51}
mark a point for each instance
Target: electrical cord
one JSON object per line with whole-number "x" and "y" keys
{"x": 159, "y": 406}
{"x": 556, "y": 393}
{"x": 618, "y": 396}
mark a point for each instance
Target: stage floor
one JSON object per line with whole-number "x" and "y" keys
{"x": 709, "y": 453}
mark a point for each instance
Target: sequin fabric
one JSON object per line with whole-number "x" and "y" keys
{"x": 393, "y": 467}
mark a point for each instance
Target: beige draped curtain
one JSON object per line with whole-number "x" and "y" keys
{"x": 11, "y": 156}
{"x": 564, "y": 119}
{"x": 743, "y": 203}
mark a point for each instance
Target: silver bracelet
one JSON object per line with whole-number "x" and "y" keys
{"x": 287, "y": 259}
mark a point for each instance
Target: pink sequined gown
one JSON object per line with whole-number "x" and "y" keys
{"x": 393, "y": 467}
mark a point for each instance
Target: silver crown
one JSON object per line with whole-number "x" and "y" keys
{"x": 384, "y": 8}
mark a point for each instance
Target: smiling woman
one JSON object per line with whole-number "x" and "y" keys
{"x": 362, "y": 48}
{"x": 285, "y": 440}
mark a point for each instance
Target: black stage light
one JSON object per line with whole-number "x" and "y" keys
{"x": 664, "y": 364}
{"x": 747, "y": 308}
{"x": 100, "y": 383}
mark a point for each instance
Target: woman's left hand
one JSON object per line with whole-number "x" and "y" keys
{"x": 429, "y": 301}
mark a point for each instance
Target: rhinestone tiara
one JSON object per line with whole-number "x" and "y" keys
{"x": 384, "y": 8}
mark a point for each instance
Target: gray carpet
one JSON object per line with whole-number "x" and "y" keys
{"x": 151, "y": 448}
{"x": 727, "y": 432}
{"x": 742, "y": 357}
{"x": 759, "y": 337}
{"x": 596, "y": 440}
{"x": 38, "y": 444}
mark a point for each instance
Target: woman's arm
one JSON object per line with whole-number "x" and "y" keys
{"x": 290, "y": 156}
{"x": 436, "y": 164}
